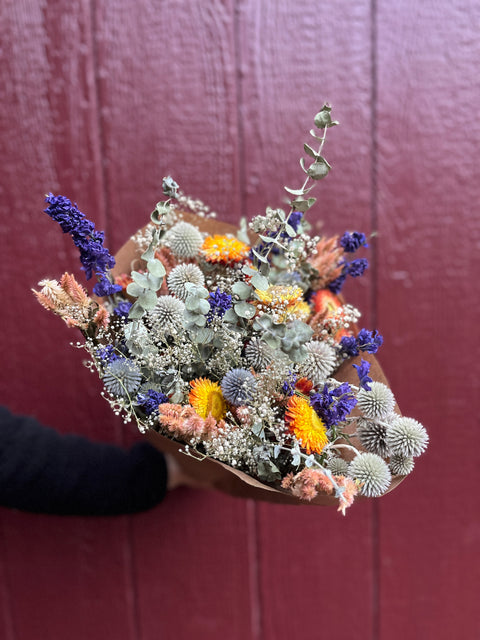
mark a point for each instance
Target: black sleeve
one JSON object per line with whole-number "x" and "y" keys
{"x": 43, "y": 471}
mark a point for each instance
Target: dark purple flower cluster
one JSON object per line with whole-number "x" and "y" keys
{"x": 353, "y": 241}
{"x": 122, "y": 308}
{"x": 95, "y": 258}
{"x": 106, "y": 354}
{"x": 150, "y": 400}
{"x": 355, "y": 268}
{"x": 295, "y": 219}
{"x": 366, "y": 340}
{"x": 333, "y": 406}
{"x": 288, "y": 387}
{"x": 219, "y": 302}
{"x": 363, "y": 370}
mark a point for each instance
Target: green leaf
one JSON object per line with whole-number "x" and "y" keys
{"x": 156, "y": 268}
{"x": 203, "y": 336}
{"x": 259, "y": 256}
{"x": 311, "y": 152}
{"x": 260, "y": 282}
{"x": 191, "y": 303}
{"x": 295, "y": 192}
{"x": 141, "y": 279}
{"x": 230, "y": 316}
{"x": 136, "y": 311}
{"x": 266, "y": 239}
{"x": 242, "y": 289}
{"x": 135, "y": 290}
{"x": 148, "y": 300}
{"x": 203, "y": 306}
{"x": 290, "y": 230}
{"x": 245, "y": 310}
{"x": 248, "y": 270}
{"x": 257, "y": 428}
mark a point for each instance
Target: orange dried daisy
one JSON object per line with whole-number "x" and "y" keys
{"x": 224, "y": 249}
{"x": 307, "y": 426}
{"x": 207, "y": 399}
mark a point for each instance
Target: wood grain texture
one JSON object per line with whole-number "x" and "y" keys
{"x": 56, "y": 571}
{"x": 292, "y": 60}
{"x": 428, "y": 194}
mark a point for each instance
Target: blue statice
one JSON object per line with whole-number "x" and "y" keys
{"x": 348, "y": 344}
{"x": 363, "y": 370}
{"x": 106, "y": 354}
{"x": 353, "y": 241}
{"x": 150, "y": 400}
{"x": 357, "y": 267}
{"x": 336, "y": 285}
{"x": 105, "y": 288}
{"x": 122, "y": 308}
{"x": 219, "y": 302}
{"x": 295, "y": 219}
{"x": 288, "y": 387}
{"x": 366, "y": 340}
{"x": 369, "y": 341}
{"x": 95, "y": 258}
{"x": 335, "y": 405}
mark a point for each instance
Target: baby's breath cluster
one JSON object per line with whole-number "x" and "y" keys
{"x": 230, "y": 343}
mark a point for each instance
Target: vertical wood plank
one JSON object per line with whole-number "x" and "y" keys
{"x": 56, "y": 571}
{"x": 429, "y": 188}
{"x": 168, "y": 103}
{"x": 292, "y": 59}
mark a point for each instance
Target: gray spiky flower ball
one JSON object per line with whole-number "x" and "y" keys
{"x": 180, "y": 276}
{"x": 372, "y": 472}
{"x": 407, "y": 437}
{"x": 338, "y": 466}
{"x": 168, "y": 313}
{"x": 379, "y": 402}
{"x": 372, "y": 436}
{"x": 320, "y": 361}
{"x": 401, "y": 465}
{"x": 258, "y": 354}
{"x": 184, "y": 240}
{"x": 238, "y": 386}
{"x": 122, "y": 377}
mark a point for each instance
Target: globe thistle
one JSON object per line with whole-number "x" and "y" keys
{"x": 338, "y": 466}
{"x": 184, "y": 240}
{"x": 168, "y": 313}
{"x": 379, "y": 402}
{"x": 401, "y": 465}
{"x": 122, "y": 377}
{"x": 320, "y": 361}
{"x": 258, "y": 354}
{"x": 372, "y": 473}
{"x": 372, "y": 436}
{"x": 238, "y": 386}
{"x": 407, "y": 437}
{"x": 181, "y": 275}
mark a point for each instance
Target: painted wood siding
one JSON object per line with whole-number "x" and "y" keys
{"x": 100, "y": 99}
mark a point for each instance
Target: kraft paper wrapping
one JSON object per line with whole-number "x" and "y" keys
{"x": 212, "y": 474}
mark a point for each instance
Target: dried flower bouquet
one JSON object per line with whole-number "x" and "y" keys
{"x": 232, "y": 349}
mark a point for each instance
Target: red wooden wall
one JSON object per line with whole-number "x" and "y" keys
{"x": 101, "y": 98}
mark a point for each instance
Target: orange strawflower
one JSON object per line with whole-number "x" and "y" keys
{"x": 224, "y": 249}
{"x": 307, "y": 426}
{"x": 207, "y": 399}
{"x": 325, "y": 302}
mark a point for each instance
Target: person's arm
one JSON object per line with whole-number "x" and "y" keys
{"x": 42, "y": 471}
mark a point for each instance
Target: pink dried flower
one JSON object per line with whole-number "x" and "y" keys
{"x": 101, "y": 318}
{"x": 74, "y": 290}
{"x": 350, "y": 490}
